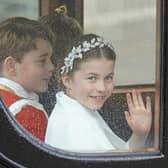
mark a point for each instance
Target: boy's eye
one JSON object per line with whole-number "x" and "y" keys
{"x": 43, "y": 61}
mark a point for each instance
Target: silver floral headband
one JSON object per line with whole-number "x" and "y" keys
{"x": 76, "y": 52}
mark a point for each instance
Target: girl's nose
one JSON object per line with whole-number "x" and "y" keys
{"x": 101, "y": 86}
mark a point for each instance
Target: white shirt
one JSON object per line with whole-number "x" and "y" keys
{"x": 18, "y": 89}
{"x": 73, "y": 127}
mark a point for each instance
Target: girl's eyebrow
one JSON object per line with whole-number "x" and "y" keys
{"x": 111, "y": 73}
{"x": 93, "y": 73}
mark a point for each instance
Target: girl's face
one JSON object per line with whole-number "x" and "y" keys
{"x": 92, "y": 84}
{"x": 35, "y": 69}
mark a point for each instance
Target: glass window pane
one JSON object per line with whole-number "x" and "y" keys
{"x": 10, "y": 8}
{"x": 131, "y": 27}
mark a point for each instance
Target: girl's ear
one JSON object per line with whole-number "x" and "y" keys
{"x": 9, "y": 65}
{"x": 66, "y": 81}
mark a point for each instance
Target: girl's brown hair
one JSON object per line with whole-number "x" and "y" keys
{"x": 98, "y": 52}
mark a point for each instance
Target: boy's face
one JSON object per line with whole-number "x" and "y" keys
{"x": 92, "y": 84}
{"x": 35, "y": 69}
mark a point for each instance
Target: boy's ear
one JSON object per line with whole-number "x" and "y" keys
{"x": 9, "y": 65}
{"x": 66, "y": 81}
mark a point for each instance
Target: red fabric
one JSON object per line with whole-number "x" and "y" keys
{"x": 29, "y": 117}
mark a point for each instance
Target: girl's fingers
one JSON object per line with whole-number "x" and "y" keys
{"x": 129, "y": 102}
{"x": 135, "y": 101}
{"x": 127, "y": 117}
{"x": 148, "y": 104}
{"x": 135, "y": 98}
{"x": 140, "y": 100}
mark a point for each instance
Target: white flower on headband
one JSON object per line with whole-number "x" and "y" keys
{"x": 84, "y": 47}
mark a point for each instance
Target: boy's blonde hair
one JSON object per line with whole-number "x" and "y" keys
{"x": 18, "y": 36}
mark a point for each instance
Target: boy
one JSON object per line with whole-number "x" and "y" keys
{"x": 25, "y": 69}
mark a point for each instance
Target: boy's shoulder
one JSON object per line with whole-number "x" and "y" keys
{"x": 16, "y": 103}
{"x": 8, "y": 97}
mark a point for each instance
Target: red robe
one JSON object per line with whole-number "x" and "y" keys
{"x": 31, "y": 118}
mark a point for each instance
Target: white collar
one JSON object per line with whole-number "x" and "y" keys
{"x": 18, "y": 89}
{"x": 61, "y": 97}
{"x": 85, "y": 116}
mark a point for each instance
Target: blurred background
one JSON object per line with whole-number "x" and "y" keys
{"x": 29, "y": 8}
{"x": 131, "y": 27}
{"x": 129, "y": 24}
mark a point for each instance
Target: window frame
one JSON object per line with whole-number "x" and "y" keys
{"x": 16, "y": 145}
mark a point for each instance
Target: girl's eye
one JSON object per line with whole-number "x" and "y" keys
{"x": 92, "y": 78}
{"x": 109, "y": 78}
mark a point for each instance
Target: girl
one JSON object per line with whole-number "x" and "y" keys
{"x": 86, "y": 76}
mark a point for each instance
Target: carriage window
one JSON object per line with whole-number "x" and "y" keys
{"x": 131, "y": 27}
{"x": 19, "y": 8}
{"x": 129, "y": 120}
